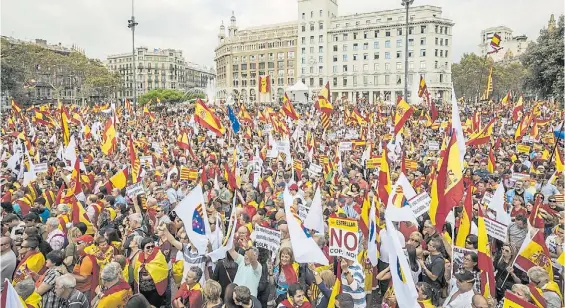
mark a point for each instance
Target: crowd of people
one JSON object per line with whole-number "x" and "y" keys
{"x": 84, "y": 225}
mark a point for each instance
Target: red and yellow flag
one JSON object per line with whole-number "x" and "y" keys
{"x": 402, "y": 114}
{"x": 385, "y": 184}
{"x": 116, "y": 296}
{"x": 207, "y": 119}
{"x": 453, "y": 182}
{"x": 15, "y": 107}
{"x": 482, "y": 136}
{"x": 156, "y": 265}
{"x": 323, "y": 104}
{"x": 512, "y": 300}
{"x": 535, "y": 253}
{"x": 506, "y": 99}
{"x": 467, "y": 217}
{"x": 485, "y": 263}
{"x": 288, "y": 109}
{"x": 118, "y": 180}
{"x": 264, "y": 84}
{"x": 134, "y": 161}
{"x": 32, "y": 262}
{"x": 491, "y": 161}
{"x": 109, "y": 138}
{"x": 65, "y": 125}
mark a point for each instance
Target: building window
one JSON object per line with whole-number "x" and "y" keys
{"x": 436, "y": 28}
{"x": 399, "y": 31}
{"x": 321, "y": 26}
{"x": 320, "y": 13}
{"x": 365, "y": 80}
{"x": 345, "y": 36}
{"x": 303, "y": 16}
{"x": 321, "y": 39}
{"x": 354, "y": 35}
{"x": 410, "y": 53}
{"x": 344, "y": 47}
{"x": 354, "y": 68}
{"x": 335, "y": 59}
{"x": 376, "y": 45}
{"x": 376, "y": 80}
{"x": 311, "y": 82}
{"x": 291, "y": 54}
{"x": 436, "y": 52}
{"x": 334, "y": 69}
{"x": 387, "y": 80}
{"x": 312, "y": 16}
{"x": 320, "y": 59}
{"x": 423, "y": 29}
{"x": 321, "y": 82}
{"x": 422, "y": 64}
{"x": 354, "y": 57}
{"x": 311, "y": 27}
{"x": 446, "y": 53}
{"x": 422, "y": 52}
{"x": 365, "y": 56}
{"x": 376, "y": 33}
{"x": 387, "y": 33}
{"x": 303, "y": 70}
{"x": 354, "y": 80}
{"x": 410, "y": 65}
{"x": 345, "y": 81}
{"x": 410, "y": 42}
{"x": 365, "y": 67}
{"x": 335, "y": 81}
{"x": 336, "y": 38}
{"x": 411, "y": 30}
{"x": 387, "y": 44}
{"x": 446, "y": 42}
{"x": 423, "y": 41}
{"x": 398, "y": 43}
{"x": 365, "y": 46}
{"x": 312, "y": 49}
{"x": 344, "y": 68}
{"x": 387, "y": 67}
{"x": 355, "y": 46}
{"x": 344, "y": 58}
{"x": 398, "y": 66}
{"x": 311, "y": 40}
{"x": 335, "y": 48}
{"x": 303, "y": 40}
{"x": 387, "y": 55}
{"x": 303, "y": 28}
{"x": 436, "y": 41}
{"x": 440, "y": 42}
{"x": 376, "y": 56}
{"x": 376, "y": 67}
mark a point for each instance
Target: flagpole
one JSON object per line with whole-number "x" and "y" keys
{"x": 481, "y": 77}
{"x": 552, "y": 153}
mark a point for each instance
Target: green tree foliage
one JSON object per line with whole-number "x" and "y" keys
{"x": 24, "y": 63}
{"x": 168, "y": 96}
{"x": 544, "y": 60}
{"x": 470, "y": 76}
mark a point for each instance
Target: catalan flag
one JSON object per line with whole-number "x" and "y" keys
{"x": 187, "y": 174}
{"x": 134, "y": 161}
{"x": 325, "y": 120}
{"x": 109, "y": 137}
{"x": 207, "y": 119}
{"x": 16, "y": 108}
{"x": 423, "y": 88}
{"x": 489, "y": 88}
{"x": 323, "y": 104}
{"x": 517, "y": 111}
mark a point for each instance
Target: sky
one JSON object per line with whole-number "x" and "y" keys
{"x": 100, "y": 26}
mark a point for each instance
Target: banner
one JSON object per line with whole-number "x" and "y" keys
{"x": 146, "y": 161}
{"x": 344, "y": 238}
{"x": 373, "y": 163}
{"x": 267, "y": 238}
{"x": 523, "y": 148}
{"x": 433, "y": 145}
{"x": 41, "y": 167}
{"x": 345, "y": 146}
{"x": 459, "y": 256}
{"x": 316, "y": 169}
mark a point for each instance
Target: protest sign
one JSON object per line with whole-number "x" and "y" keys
{"x": 157, "y": 147}
{"x": 41, "y": 167}
{"x": 316, "y": 169}
{"x": 267, "y": 238}
{"x": 345, "y": 146}
{"x": 283, "y": 146}
{"x": 433, "y": 145}
{"x": 146, "y": 161}
{"x": 420, "y": 204}
{"x": 458, "y": 257}
{"x": 344, "y": 238}
{"x": 487, "y": 198}
{"x": 516, "y": 176}
{"x": 332, "y": 136}
{"x": 303, "y": 211}
{"x": 135, "y": 189}
{"x": 496, "y": 229}
{"x": 522, "y": 148}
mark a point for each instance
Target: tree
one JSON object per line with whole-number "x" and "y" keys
{"x": 26, "y": 66}
{"x": 167, "y": 96}
{"x": 544, "y": 61}
{"x": 471, "y": 73}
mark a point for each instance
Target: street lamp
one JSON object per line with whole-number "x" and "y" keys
{"x": 131, "y": 24}
{"x": 407, "y": 4}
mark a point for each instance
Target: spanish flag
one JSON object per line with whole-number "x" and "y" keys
{"x": 402, "y": 114}
{"x": 559, "y": 167}
{"x": 534, "y": 252}
{"x": 506, "y": 99}
{"x": 495, "y": 41}
{"x": 134, "y": 161}
{"x": 116, "y": 296}
{"x": 16, "y": 108}
{"x": 385, "y": 184}
{"x": 156, "y": 265}
{"x": 323, "y": 104}
{"x": 206, "y": 117}
{"x": 518, "y": 109}
{"x": 485, "y": 264}
{"x": 453, "y": 181}
{"x": 511, "y": 300}
{"x": 32, "y": 262}
{"x": 87, "y": 132}
{"x": 482, "y": 136}
{"x": 118, "y": 180}
{"x": 523, "y": 126}
{"x": 109, "y": 137}
{"x": 182, "y": 141}
{"x": 65, "y": 126}
{"x": 264, "y": 84}
{"x": 466, "y": 219}
{"x": 422, "y": 88}
{"x": 364, "y": 222}
{"x": 146, "y": 112}
{"x": 243, "y": 115}
{"x": 288, "y": 109}
{"x": 491, "y": 161}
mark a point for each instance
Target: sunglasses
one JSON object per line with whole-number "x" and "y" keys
{"x": 149, "y": 246}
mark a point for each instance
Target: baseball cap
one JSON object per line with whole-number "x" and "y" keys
{"x": 85, "y": 239}
{"x": 293, "y": 187}
{"x": 465, "y": 276}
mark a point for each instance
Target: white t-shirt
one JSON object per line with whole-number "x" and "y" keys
{"x": 384, "y": 251}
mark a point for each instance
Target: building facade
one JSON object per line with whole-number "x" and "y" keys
{"x": 243, "y": 56}
{"x": 360, "y": 55}
{"x": 512, "y": 46}
{"x": 157, "y": 69}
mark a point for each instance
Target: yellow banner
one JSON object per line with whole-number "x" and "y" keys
{"x": 523, "y": 148}
{"x": 343, "y": 224}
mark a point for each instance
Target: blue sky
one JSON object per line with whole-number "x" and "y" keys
{"x": 100, "y": 26}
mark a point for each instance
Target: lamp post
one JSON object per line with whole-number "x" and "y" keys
{"x": 131, "y": 24}
{"x": 407, "y": 4}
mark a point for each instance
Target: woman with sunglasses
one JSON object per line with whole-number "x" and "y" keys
{"x": 151, "y": 273}
{"x": 505, "y": 274}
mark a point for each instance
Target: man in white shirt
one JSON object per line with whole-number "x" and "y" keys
{"x": 461, "y": 294}
{"x": 384, "y": 253}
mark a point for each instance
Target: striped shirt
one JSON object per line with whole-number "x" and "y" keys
{"x": 50, "y": 299}
{"x": 75, "y": 300}
{"x": 357, "y": 288}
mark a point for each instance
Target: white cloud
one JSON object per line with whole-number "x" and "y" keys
{"x": 192, "y": 26}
